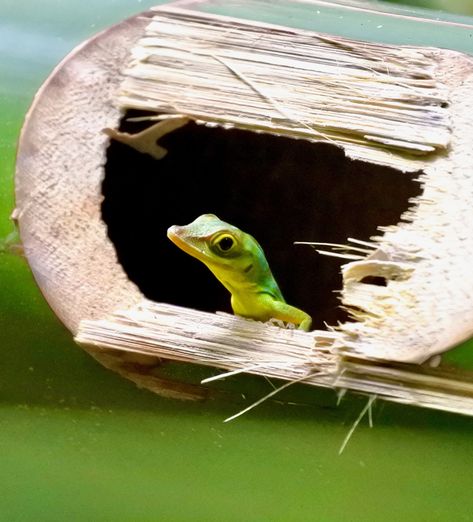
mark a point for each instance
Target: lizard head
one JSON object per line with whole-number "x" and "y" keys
{"x": 228, "y": 252}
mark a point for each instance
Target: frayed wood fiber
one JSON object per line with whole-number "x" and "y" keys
{"x": 368, "y": 97}
{"x": 403, "y": 107}
{"x": 241, "y": 345}
{"x": 406, "y": 107}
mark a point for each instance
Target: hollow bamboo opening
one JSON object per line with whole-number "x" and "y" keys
{"x": 279, "y": 189}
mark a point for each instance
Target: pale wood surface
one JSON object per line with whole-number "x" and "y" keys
{"x": 426, "y": 306}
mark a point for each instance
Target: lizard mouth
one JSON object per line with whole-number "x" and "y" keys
{"x": 174, "y": 234}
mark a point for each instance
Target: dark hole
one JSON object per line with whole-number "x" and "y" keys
{"x": 280, "y": 190}
{"x": 374, "y": 280}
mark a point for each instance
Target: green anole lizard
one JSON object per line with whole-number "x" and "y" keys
{"x": 238, "y": 262}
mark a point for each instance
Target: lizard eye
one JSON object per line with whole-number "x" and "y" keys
{"x": 224, "y": 243}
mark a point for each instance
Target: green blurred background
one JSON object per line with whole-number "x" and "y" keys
{"x": 77, "y": 442}
{"x": 451, "y": 6}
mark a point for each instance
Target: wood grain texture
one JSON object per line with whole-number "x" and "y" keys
{"x": 241, "y": 345}
{"x": 58, "y": 196}
{"x": 425, "y": 307}
{"x": 379, "y": 102}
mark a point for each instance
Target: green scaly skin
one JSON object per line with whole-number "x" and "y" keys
{"x": 238, "y": 262}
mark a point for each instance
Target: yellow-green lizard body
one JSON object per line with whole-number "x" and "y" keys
{"x": 238, "y": 262}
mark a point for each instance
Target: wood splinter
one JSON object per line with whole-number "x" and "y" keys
{"x": 146, "y": 141}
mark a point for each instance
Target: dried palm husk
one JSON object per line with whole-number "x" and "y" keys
{"x": 403, "y": 107}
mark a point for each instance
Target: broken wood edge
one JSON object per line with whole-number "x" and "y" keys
{"x": 58, "y": 197}
{"x": 400, "y": 265}
{"x": 45, "y": 181}
{"x": 236, "y": 344}
{"x": 145, "y": 85}
{"x": 426, "y": 249}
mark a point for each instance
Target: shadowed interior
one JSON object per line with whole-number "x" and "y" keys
{"x": 279, "y": 190}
